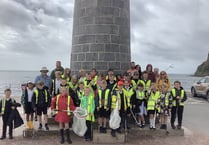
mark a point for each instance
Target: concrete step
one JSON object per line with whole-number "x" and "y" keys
{"x": 104, "y": 138}
{"x": 51, "y": 121}
{"x": 135, "y": 132}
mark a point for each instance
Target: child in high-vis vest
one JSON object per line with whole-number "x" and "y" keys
{"x": 140, "y": 105}
{"x": 153, "y": 96}
{"x": 27, "y": 104}
{"x": 63, "y": 105}
{"x": 164, "y": 105}
{"x": 6, "y": 106}
{"x": 178, "y": 98}
{"x": 130, "y": 94}
{"x": 40, "y": 102}
{"x": 119, "y": 96}
{"x": 87, "y": 102}
{"x": 103, "y": 105}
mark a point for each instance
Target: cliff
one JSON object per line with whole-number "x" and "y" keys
{"x": 203, "y": 69}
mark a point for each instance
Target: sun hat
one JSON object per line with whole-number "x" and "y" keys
{"x": 44, "y": 69}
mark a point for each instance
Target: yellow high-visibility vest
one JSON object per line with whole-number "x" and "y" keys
{"x": 57, "y": 105}
{"x": 174, "y": 95}
{"x": 140, "y": 95}
{"x": 118, "y": 98}
{"x": 153, "y": 100}
{"x": 146, "y": 84}
{"x": 107, "y": 91}
{"x": 46, "y": 96}
{"x": 4, "y": 104}
{"x": 128, "y": 94}
{"x": 90, "y": 112}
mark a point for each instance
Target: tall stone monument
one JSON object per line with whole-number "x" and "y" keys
{"x": 101, "y": 35}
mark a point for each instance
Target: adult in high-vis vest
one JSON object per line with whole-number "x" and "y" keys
{"x": 26, "y": 101}
{"x": 87, "y": 102}
{"x": 153, "y": 96}
{"x": 119, "y": 96}
{"x": 164, "y": 105}
{"x": 40, "y": 103}
{"x": 103, "y": 105}
{"x": 63, "y": 105}
{"x": 140, "y": 107}
{"x": 178, "y": 98}
{"x": 5, "y": 111}
{"x": 130, "y": 95}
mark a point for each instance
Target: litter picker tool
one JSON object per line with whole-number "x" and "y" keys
{"x": 79, "y": 112}
{"x": 132, "y": 113}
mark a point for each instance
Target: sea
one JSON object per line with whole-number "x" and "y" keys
{"x": 14, "y": 80}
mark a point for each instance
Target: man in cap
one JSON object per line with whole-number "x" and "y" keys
{"x": 44, "y": 78}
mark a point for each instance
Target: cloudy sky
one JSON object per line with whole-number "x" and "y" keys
{"x": 35, "y": 33}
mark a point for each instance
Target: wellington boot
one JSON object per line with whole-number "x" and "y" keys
{"x": 31, "y": 124}
{"x": 28, "y": 125}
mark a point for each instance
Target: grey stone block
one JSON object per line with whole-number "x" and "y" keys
{"x": 76, "y": 65}
{"x": 102, "y": 38}
{"x": 91, "y": 56}
{"x": 122, "y": 57}
{"x": 106, "y": 56}
{"x": 125, "y": 65}
{"x": 104, "y": 20}
{"x": 81, "y": 57}
{"x": 87, "y": 65}
{"x": 115, "y": 65}
{"x": 86, "y": 20}
{"x": 76, "y": 48}
{"x": 115, "y": 39}
{"x": 122, "y": 21}
{"x": 124, "y": 13}
{"x": 104, "y": 3}
{"x": 102, "y": 11}
{"x": 80, "y": 29}
{"x": 118, "y": 3}
{"x": 97, "y": 47}
{"x": 101, "y": 67}
{"x": 124, "y": 49}
{"x": 85, "y": 47}
{"x": 102, "y": 29}
{"x": 112, "y": 48}
{"x": 86, "y": 39}
{"x": 74, "y": 57}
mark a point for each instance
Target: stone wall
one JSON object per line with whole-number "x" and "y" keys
{"x": 101, "y": 35}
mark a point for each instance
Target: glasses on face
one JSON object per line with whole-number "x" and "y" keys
{"x": 162, "y": 74}
{"x": 63, "y": 86}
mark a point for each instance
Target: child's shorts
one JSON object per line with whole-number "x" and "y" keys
{"x": 41, "y": 110}
{"x": 151, "y": 112}
{"x": 103, "y": 113}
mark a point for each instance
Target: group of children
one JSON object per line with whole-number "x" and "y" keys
{"x": 99, "y": 95}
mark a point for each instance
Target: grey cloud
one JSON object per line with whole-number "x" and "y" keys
{"x": 49, "y": 8}
{"x": 14, "y": 15}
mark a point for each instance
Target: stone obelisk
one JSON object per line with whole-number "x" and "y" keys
{"x": 101, "y": 35}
